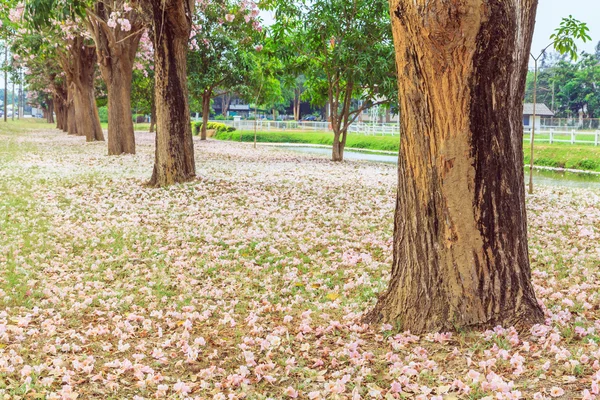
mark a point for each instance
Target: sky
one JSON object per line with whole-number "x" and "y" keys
{"x": 550, "y": 13}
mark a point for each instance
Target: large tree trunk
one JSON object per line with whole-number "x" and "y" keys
{"x": 174, "y": 159}
{"x": 50, "y": 111}
{"x": 60, "y": 98}
{"x": 460, "y": 239}
{"x": 116, "y": 50}
{"x": 60, "y": 122}
{"x": 72, "y": 128}
{"x": 121, "y": 138}
{"x": 205, "y": 113}
{"x": 86, "y": 111}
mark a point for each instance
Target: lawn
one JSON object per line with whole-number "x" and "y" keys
{"x": 560, "y": 155}
{"x": 250, "y": 282}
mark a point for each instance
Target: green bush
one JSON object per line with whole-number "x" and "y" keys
{"x": 103, "y": 113}
{"x": 587, "y": 164}
{"x": 218, "y": 127}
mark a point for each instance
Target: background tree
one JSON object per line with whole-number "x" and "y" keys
{"x": 460, "y": 240}
{"x": 563, "y": 40}
{"x": 350, "y": 56}
{"x": 117, "y": 28}
{"x": 226, "y": 33}
{"x": 142, "y": 94}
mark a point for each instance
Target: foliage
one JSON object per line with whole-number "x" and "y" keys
{"x": 224, "y": 37}
{"x": 569, "y": 86}
{"x": 564, "y": 37}
{"x": 345, "y": 49}
{"x": 218, "y": 127}
{"x": 103, "y": 113}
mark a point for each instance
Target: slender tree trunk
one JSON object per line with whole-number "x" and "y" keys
{"x": 153, "y": 116}
{"x": 205, "y": 113}
{"x": 296, "y": 104}
{"x": 532, "y": 137}
{"x": 460, "y": 239}
{"x": 225, "y": 101}
{"x": 174, "y": 160}
{"x": 339, "y": 143}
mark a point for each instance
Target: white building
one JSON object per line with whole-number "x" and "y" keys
{"x": 541, "y": 111}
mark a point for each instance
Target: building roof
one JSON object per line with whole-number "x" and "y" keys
{"x": 540, "y": 109}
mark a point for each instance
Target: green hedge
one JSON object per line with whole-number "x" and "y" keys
{"x": 103, "y": 113}
{"x": 218, "y": 127}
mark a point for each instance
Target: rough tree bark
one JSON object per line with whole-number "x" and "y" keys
{"x": 225, "y": 102}
{"x": 116, "y": 50}
{"x": 80, "y": 67}
{"x": 72, "y": 128}
{"x": 50, "y": 111}
{"x": 59, "y": 93}
{"x": 460, "y": 240}
{"x": 174, "y": 158}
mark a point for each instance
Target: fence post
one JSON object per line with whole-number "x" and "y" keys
{"x": 596, "y": 138}
{"x": 551, "y": 135}
{"x": 572, "y": 136}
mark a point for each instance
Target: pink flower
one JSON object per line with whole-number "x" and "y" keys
{"x": 229, "y": 17}
{"x": 556, "y": 391}
{"x": 291, "y": 392}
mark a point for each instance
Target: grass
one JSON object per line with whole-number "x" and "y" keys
{"x": 583, "y": 157}
{"x": 92, "y": 261}
{"x": 559, "y": 155}
{"x": 388, "y": 143}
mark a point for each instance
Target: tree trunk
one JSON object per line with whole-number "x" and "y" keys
{"x": 72, "y": 128}
{"x": 174, "y": 159}
{"x": 339, "y": 143}
{"x": 225, "y": 101}
{"x": 460, "y": 239}
{"x": 205, "y": 113}
{"x": 297, "y": 104}
{"x": 121, "y": 137}
{"x": 60, "y": 98}
{"x": 153, "y": 116}
{"x": 86, "y": 111}
{"x": 116, "y": 50}
{"x": 60, "y": 121}
{"x": 50, "y": 111}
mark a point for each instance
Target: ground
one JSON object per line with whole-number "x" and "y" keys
{"x": 250, "y": 283}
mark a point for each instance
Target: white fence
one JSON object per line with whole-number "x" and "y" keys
{"x": 561, "y": 135}
{"x": 544, "y": 135}
{"x": 314, "y": 126}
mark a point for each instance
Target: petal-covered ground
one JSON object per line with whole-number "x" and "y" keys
{"x": 250, "y": 283}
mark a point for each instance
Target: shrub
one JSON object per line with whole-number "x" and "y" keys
{"x": 103, "y": 114}
{"x": 587, "y": 164}
{"x": 218, "y": 127}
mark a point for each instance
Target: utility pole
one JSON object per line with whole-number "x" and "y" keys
{"x": 13, "y": 100}
{"x": 21, "y": 95}
{"x": 5, "y": 79}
